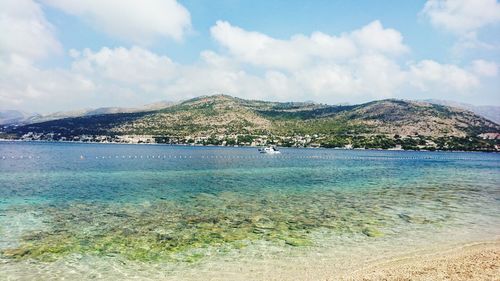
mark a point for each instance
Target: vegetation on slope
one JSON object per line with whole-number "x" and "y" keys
{"x": 375, "y": 124}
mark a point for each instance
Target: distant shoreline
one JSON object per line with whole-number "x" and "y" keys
{"x": 244, "y": 146}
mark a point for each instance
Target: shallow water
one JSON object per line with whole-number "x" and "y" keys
{"x": 74, "y": 209}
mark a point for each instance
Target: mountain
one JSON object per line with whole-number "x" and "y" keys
{"x": 491, "y": 112}
{"x": 14, "y": 117}
{"x": 226, "y": 115}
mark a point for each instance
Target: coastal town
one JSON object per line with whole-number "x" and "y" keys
{"x": 484, "y": 142}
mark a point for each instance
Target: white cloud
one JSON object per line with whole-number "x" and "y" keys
{"x": 381, "y": 76}
{"x": 25, "y": 31}
{"x": 429, "y": 75}
{"x": 364, "y": 78}
{"x": 257, "y": 48}
{"x": 23, "y": 85}
{"x": 485, "y": 68}
{"x": 108, "y": 77}
{"x": 375, "y": 38}
{"x": 131, "y": 66}
{"x": 468, "y": 42}
{"x": 464, "y": 19}
{"x": 262, "y": 50}
{"x": 139, "y": 22}
{"x": 320, "y": 67}
{"x": 28, "y": 37}
{"x": 462, "y": 16}
{"x": 355, "y": 66}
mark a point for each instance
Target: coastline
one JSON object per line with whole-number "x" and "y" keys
{"x": 461, "y": 261}
{"x": 467, "y": 261}
{"x": 471, "y": 261}
{"x": 244, "y": 146}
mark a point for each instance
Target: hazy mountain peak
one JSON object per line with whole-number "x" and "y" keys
{"x": 490, "y": 112}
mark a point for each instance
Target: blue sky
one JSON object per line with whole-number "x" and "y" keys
{"x": 277, "y": 18}
{"x": 61, "y": 55}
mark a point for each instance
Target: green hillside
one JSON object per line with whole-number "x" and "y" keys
{"x": 225, "y": 115}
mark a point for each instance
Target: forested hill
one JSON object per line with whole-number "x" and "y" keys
{"x": 224, "y": 115}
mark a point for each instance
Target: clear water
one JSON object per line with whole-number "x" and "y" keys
{"x": 178, "y": 205}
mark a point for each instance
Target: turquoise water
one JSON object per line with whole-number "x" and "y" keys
{"x": 179, "y": 204}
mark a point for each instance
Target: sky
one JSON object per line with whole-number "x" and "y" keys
{"x": 59, "y": 55}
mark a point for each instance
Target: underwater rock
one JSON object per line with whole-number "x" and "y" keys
{"x": 16, "y": 253}
{"x": 259, "y": 231}
{"x": 193, "y": 258}
{"x": 297, "y": 242}
{"x": 405, "y": 217}
{"x": 120, "y": 215}
{"x": 164, "y": 237}
{"x": 171, "y": 230}
{"x": 413, "y": 219}
{"x": 372, "y": 232}
{"x": 265, "y": 225}
{"x": 129, "y": 232}
{"x": 38, "y": 235}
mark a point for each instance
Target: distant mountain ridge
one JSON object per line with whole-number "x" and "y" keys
{"x": 15, "y": 117}
{"x": 491, "y": 112}
{"x": 225, "y": 115}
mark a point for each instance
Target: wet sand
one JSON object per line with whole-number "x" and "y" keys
{"x": 472, "y": 261}
{"x": 479, "y": 261}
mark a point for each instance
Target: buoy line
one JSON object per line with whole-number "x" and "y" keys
{"x": 20, "y": 157}
{"x": 266, "y": 157}
{"x": 270, "y": 157}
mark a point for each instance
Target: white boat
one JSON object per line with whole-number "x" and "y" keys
{"x": 269, "y": 150}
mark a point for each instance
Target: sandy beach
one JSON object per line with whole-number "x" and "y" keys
{"x": 472, "y": 261}
{"x": 478, "y": 261}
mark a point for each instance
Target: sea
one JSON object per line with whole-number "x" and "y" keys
{"x": 86, "y": 211}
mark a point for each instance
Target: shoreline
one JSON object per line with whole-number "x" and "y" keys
{"x": 469, "y": 261}
{"x": 248, "y": 146}
{"x": 473, "y": 261}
